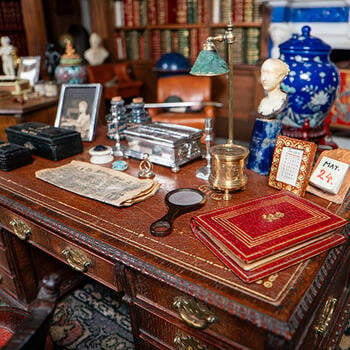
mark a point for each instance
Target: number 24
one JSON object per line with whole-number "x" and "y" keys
{"x": 322, "y": 176}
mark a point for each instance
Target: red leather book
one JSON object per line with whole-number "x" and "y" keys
{"x": 275, "y": 264}
{"x": 268, "y": 233}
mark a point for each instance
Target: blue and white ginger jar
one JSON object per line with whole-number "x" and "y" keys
{"x": 312, "y": 82}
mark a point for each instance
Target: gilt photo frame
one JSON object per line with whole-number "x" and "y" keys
{"x": 29, "y": 68}
{"x": 78, "y": 108}
{"x": 291, "y": 164}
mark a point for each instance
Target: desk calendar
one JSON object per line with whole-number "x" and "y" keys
{"x": 329, "y": 175}
{"x": 291, "y": 164}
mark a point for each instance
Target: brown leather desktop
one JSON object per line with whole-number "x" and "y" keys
{"x": 180, "y": 295}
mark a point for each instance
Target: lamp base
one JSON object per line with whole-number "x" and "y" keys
{"x": 228, "y": 164}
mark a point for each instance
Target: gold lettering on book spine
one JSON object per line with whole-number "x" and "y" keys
{"x": 273, "y": 217}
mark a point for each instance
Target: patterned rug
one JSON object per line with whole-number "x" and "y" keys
{"x": 92, "y": 317}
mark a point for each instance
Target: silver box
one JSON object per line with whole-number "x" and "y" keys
{"x": 167, "y": 144}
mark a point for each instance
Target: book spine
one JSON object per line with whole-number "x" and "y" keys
{"x": 199, "y": 11}
{"x": 193, "y": 44}
{"x": 161, "y": 11}
{"x": 205, "y": 11}
{"x": 190, "y": 11}
{"x": 119, "y": 14}
{"x": 226, "y": 11}
{"x": 175, "y": 41}
{"x": 165, "y": 42}
{"x": 181, "y": 12}
{"x": 238, "y": 11}
{"x": 134, "y": 46}
{"x": 136, "y": 12}
{"x": 239, "y": 45}
{"x": 152, "y": 12}
{"x": 155, "y": 40}
{"x": 120, "y": 48}
{"x": 142, "y": 52}
{"x": 143, "y": 12}
{"x": 172, "y": 15}
{"x": 184, "y": 42}
{"x": 252, "y": 45}
{"x": 128, "y": 13}
{"x": 257, "y": 16}
{"x": 248, "y": 11}
{"x": 215, "y": 18}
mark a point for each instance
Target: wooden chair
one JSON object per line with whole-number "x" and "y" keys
{"x": 116, "y": 80}
{"x": 29, "y": 330}
{"x": 189, "y": 89}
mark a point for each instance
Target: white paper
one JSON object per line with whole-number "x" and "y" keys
{"x": 289, "y": 165}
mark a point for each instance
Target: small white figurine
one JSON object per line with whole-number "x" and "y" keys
{"x": 96, "y": 54}
{"x": 279, "y": 33}
{"x": 273, "y": 71}
{"x": 6, "y": 50}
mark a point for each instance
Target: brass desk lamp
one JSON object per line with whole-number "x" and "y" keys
{"x": 228, "y": 160}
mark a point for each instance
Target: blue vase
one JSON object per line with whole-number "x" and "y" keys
{"x": 312, "y": 82}
{"x": 262, "y": 145}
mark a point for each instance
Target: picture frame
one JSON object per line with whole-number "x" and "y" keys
{"x": 78, "y": 108}
{"x": 29, "y": 68}
{"x": 291, "y": 164}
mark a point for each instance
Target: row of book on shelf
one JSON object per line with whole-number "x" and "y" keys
{"x": 10, "y": 16}
{"x": 134, "y": 13}
{"x": 141, "y": 45}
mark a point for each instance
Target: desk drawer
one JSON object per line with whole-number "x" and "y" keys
{"x": 156, "y": 330}
{"x": 78, "y": 258}
{"x": 7, "y": 282}
{"x": 226, "y": 327}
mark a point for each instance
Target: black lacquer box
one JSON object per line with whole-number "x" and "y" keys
{"x": 13, "y": 156}
{"x": 45, "y": 140}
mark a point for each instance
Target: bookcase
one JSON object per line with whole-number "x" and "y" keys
{"x": 146, "y": 29}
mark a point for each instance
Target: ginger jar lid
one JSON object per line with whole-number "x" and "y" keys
{"x": 305, "y": 43}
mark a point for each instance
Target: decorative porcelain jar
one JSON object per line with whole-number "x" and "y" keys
{"x": 71, "y": 74}
{"x": 311, "y": 84}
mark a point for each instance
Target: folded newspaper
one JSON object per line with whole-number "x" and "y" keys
{"x": 99, "y": 183}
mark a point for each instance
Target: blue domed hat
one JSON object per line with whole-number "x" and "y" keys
{"x": 172, "y": 63}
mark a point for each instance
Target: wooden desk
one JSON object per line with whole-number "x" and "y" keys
{"x": 279, "y": 312}
{"x": 42, "y": 109}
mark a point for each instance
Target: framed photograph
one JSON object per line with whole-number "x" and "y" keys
{"x": 291, "y": 164}
{"x": 29, "y": 68}
{"x": 78, "y": 107}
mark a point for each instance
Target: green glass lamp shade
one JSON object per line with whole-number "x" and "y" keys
{"x": 209, "y": 63}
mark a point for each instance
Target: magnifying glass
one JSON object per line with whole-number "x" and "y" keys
{"x": 179, "y": 201}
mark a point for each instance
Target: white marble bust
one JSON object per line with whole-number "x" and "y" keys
{"x": 96, "y": 54}
{"x": 273, "y": 71}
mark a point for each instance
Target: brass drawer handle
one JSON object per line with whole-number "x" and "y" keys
{"x": 326, "y": 315}
{"x": 76, "y": 259}
{"x": 21, "y": 230}
{"x": 186, "y": 342}
{"x": 193, "y": 314}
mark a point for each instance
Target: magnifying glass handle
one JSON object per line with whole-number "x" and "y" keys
{"x": 164, "y": 225}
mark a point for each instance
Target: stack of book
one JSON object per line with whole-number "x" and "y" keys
{"x": 259, "y": 237}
